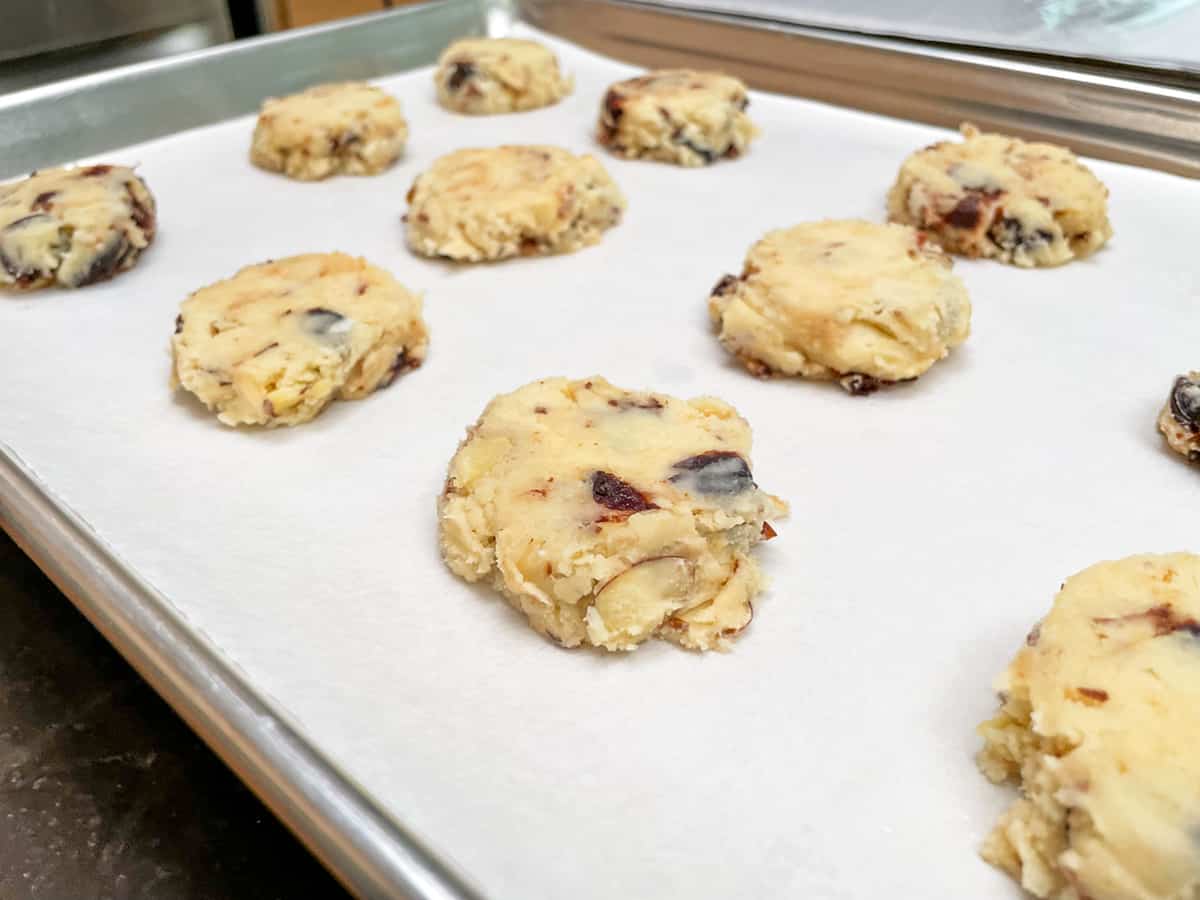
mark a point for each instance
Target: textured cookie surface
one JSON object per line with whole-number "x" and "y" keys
{"x": 348, "y": 128}
{"x": 677, "y": 116}
{"x": 857, "y": 301}
{"x": 482, "y": 76}
{"x": 1099, "y": 725}
{"x": 278, "y": 341}
{"x": 1179, "y": 420}
{"x": 609, "y": 516}
{"x": 498, "y": 202}
{"x": 1029, "y": 204}
{"x": 73, "y": 227}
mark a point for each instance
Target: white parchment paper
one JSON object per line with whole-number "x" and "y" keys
{"x": 829, "y": 755}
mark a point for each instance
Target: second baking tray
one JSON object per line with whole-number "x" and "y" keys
{"x": 307, "y": 628}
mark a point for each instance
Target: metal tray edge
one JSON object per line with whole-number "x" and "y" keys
{"x": 372, "y": 854}
{"x": 369, "y": 852}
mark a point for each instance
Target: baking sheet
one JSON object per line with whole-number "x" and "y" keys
{"x": 830, "y": 753}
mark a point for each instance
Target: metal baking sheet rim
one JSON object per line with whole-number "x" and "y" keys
{"x": 371, "y": 853}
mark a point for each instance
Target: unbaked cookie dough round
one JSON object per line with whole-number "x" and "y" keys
{"x": 73, "y": 227}
{"x": 347, "y": 128}
{"x": 1099, "y": 725}
{"x": 677, "y": 116}
{"x": 610, "y": 516}
{"x": 1029, "y": 204}
{"x": 484, "y": 76}
{"x": 274, "y": 344}
{"x": 1179, "y": 420}
{"x": 864, "y": 303}
{"x": 493, "y": 203}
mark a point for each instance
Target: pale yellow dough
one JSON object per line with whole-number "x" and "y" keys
{"x": 677, "y": 116}
{"x": 864, "y": 303}
{"x": 493, "y": 203}
{"x": 1179, "y": 420}
{"x": 73, "y": 227}
{"x": 274, "y": 344}
{"x": 1100, "y": 724}
{"x": 610, "y": 516}
{"x": 346, "y": 128}
{"x": 1029, "y": 204}
{"x": 484, "y": 76}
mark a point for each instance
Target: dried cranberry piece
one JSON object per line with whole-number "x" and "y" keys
{"x": 860, "y": 384}
{"x": 725, "y": 285}
{"x": 459, "y": 74}
{"x": 612, "y": 492}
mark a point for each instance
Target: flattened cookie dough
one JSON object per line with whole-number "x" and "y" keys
{"x": 864, "y": 303}
{"x": 73, "y": 227}
{"x": 494, "y": 203}
{"x": 1029, "y": 204}
{"x": 347, "y": 128}
{"x": 610, "y": 516}
{"x": 1099, "y": 724}
{"x": 279, "y": 340}
{"x": 483, "y": 76}
{"x": 677, "y": 116}
{"x": 1179, "y": 420}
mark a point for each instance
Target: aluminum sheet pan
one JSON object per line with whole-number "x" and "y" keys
{"x": 932, "y": 523}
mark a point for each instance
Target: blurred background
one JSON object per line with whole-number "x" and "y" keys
{"x": 42, "y": 41}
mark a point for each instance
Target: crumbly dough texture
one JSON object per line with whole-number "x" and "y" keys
{"x": 1029, "y": 204}
{"x": 1099, "y": 724}
{"x": 73, "y": 227}
{"x": 1179, "y": 420}
{"x": 494, "y": 203}
{"x": 346, "y": 128}
{"x": 677, "y": 116}
{"x": 274, "y": 344}
{"x": 610, "y": 516}
{"x": 484, "y": 76}
{"x": 864, "y": 303}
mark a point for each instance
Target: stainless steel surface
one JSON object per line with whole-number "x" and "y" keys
{"x": 82, "y": 116}
{"x": 1104, "y": 116}
{"x": 31, "y": 27}
{"x": 45, "y": 68}
{"x": 372, "y": 854}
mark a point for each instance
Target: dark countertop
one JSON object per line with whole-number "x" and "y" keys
{"x": 104, "y": 792}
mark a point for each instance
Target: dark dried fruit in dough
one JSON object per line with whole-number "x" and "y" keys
{"x": 73, "y": 227}
{"x": 998, "y": 197}
{"x": 486, "y": 76}
{"x": 1179, "y": 418}
{"x": 607, "y": 516}
{"x": 677, "y": 116}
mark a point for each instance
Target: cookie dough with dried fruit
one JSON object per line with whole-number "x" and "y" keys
{"x": 274, "y": 344}
{"x": 73, "y": 226}
{"x": 345, "y": 128}
{"x": 998, "y": 197}
{"x": 485, "y": 76}
{"x": 1098, "y": 725}
{"x": 500, "y": 202}
{"x": 677, "y": 116}
{"x": 863, "y": 303}
{"x": 610, "y": 516}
